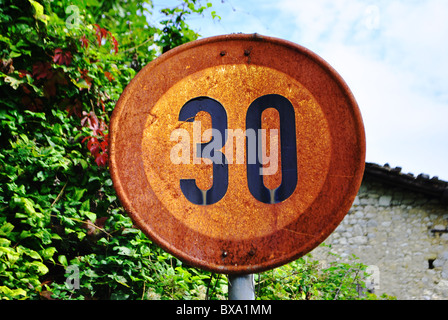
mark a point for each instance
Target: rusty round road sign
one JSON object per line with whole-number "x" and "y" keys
{"x": 237, "y": 153}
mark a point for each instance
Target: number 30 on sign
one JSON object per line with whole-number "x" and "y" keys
{"x": 255, "y": 148}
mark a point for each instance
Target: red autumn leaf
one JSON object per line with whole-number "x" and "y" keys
{"x": 115, "y": 42}
{"x": 101, "y": 160}
{"x": 84, "y": 42}
{"x": 86, "y": 138}
{"x": 50, "y": 88}
{"x": 23, "y": 73}
{"x": 98, "y": 150}
{"x": 50, "y": 85}
{"x": 59, "y": 77}
{"x": 100, "y": 33}
{"x": 32, "y": 104}
{"x": 60, "y": 57}
{"x": 46, "y": 295}
{"x": 103, "y": 107}
{"x": 91, "y": 120}
{"x": 101, "y": 222}
{"x": 94, "y": 146}
{"x": 86, "y": 78}
{"x": 102, "y": 127}
{"x": 98, "y": 143}
{"x": 109, "y": 76}
{"x": 104, "y": 145}
{"x": 25, "y": 88}
{"x": 42, "y": 70}
{"x": 75, "y": 108}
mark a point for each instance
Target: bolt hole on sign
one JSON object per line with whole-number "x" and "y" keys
{"x": 237, "y": 153}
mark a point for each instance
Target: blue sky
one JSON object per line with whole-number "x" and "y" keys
{"x": 393, "y": 54}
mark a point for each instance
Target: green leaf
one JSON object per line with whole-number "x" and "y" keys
{"x": 12, "y": 293}
{"x": 90, "y": 215}
{"x": 81, "y": 84}
{"x": 63, "y": 260}
{"x": 31, "y": 253}
{"x": 40, "y": 267}
{"x": 5, "y": 39}
{"x": 125, "y": 251}
{"x": 44, "y": 235}
{"x": 55, "y": 236}
{"x": 39, "y": 115}
{"x": 92, "y": 3}
{"x": 79, "y": 193}
{"x": 81, "y": 235}
{"x": 25, "y": 234}
{"x": 25, "y": 204}
{"x": 12, "y": 255}
{"x": 47, "y": 253}
{"x": 215, "y": 15}
{"x": 39, "y": 11}
{"x": 14, "y": 54}
{"x": 85, "y": 206}
{"x": 4, "y": 242}
{"x": 108, "y": 183}
{"x": 6, "y": 228}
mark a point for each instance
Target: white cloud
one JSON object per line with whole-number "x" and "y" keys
{"x": 393, "y": 57}
{"x": 418, "y": 37}
{"x": 392, "y": 54}
{"x": 403, "y": 127}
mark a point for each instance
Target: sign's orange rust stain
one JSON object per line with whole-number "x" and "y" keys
{"x": 272, "y": 156}
{"x": 238, "y": 234}
{"x": 238, "y": 215}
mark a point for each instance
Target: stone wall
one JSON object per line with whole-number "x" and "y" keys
{"x": 401, "y": 235}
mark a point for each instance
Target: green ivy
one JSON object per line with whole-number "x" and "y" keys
{"x": 63, "y": 66}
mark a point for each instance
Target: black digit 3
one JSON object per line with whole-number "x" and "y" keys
{"x": 208, "y": 150}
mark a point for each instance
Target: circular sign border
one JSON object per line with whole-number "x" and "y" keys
{"x": 248, "y": 256}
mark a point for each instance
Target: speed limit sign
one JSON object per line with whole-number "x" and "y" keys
{"x": 237, "y": 153}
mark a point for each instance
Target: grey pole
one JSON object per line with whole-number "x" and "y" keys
{"x": 241, "y": 287}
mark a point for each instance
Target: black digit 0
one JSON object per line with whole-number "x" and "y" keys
{"x": 208, "y": 150}
{"x": 288, "y": 149}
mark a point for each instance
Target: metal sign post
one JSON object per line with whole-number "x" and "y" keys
{"x": 241, "y": 287}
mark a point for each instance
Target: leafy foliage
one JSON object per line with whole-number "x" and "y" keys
{"x": 307, "y": 279}
{"x": 63, "y": 66}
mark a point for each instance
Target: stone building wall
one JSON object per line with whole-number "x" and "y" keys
{"x": 402, "y": 236}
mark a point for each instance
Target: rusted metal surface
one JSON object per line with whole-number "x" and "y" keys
{"x": 239, "y": 232}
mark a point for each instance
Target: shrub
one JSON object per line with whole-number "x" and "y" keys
{"x": 63, "y": 66}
